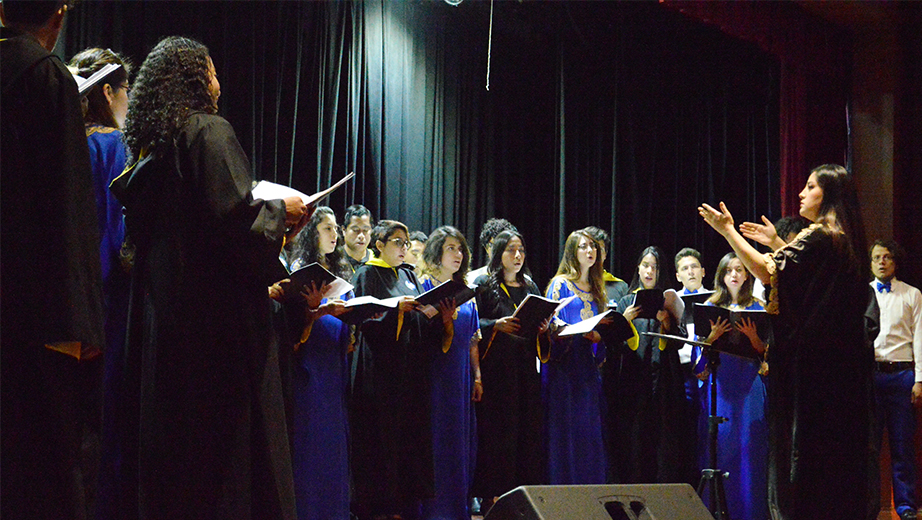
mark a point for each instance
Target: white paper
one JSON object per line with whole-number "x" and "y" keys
{"x": 584, "y": 327}
{"x": 338, "y": 287}
{"x": 673, "y": 303}
{"x": 266, "y": 190}
{"x": 387, "y": 302}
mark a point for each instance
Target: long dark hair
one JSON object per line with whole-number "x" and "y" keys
{"x": 839, "y": 210}
{"x": 722, "y": 296}
{"x": 570, "y": 269}
{"x": 495, "y": 267}
{"x": 172, "y": 83}
{"x": 662, "y": 265}
{"x": 432, "y": 254}
{"x": 89, "y": 61}
{"x": 308, "y": 251}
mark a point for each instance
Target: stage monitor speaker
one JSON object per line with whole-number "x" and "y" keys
{"x": 608, "y": 502}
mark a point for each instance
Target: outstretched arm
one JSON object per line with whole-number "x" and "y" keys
{"x": 722, "y": 222}
{"x": 764, "y": 234}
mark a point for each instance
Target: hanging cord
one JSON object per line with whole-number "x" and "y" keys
{"x": 490, "y": 45}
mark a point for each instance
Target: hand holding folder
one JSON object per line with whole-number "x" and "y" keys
{"x": 617, "y": 330}
{"x": 266, "y": 190}
{"x": 315, "y": 273}
{"x": 651, "y": 301}
{"x": 733, "y": 341}
{"x": 533, "y": 311}
{"x": 458, "y": 292}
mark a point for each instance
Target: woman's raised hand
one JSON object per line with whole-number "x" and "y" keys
{"x": 718, "y": 329}
{"x": 721, "y": 221}
{"x": 764, "y": 234}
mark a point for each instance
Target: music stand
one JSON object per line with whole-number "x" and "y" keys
{"x": 712, "y": 475}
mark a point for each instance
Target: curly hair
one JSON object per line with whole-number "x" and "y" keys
{"x": 88, "y": 62}
{"x": 493, "y": 227}
{"x": 308, "y": 251}
{"x": 172, "y": 83}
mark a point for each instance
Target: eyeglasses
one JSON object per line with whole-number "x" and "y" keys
{"x": 399, "y": 242}
{"x": 586, "y": 246}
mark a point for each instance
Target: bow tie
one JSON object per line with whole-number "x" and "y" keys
{"x": 883, "y": 287}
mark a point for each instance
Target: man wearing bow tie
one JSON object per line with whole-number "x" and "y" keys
{"x": 898, "y": 376}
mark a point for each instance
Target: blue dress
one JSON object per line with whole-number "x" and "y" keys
{"x": 742, "y": 441}
{"x": 108, "y": 156}
{"x": 320, "y": 459}
{"x": 571, "y": 386}
{"x": 453, "y": 424}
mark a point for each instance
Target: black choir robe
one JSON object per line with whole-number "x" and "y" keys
{"x": 51, "y": 283}
{"x": 202, "y": 390}
{"x": 511, "y": 450}
{"x": 390, "y": 420}
{"x": 645, "y": 394}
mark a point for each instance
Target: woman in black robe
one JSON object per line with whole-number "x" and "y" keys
{"x": 821, "y": 460}
{"x": 390, "y": 420}
{"x": 510, "y": 447}
{"x": 645, "y": 388}
{"x": 203, "y": 403}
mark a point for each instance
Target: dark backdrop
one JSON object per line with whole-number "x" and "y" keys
{"x": 623, "y": 115}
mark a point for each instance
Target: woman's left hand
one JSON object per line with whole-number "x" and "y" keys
{"x": 748, "y": 327}
{"x": 593, "y": 336}
{"x": 313, "y": 295}
{"x": 478, "y": 391}
{"x": 447, "y": 308}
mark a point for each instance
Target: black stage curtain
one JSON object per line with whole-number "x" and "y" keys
{"x": 621, "y": 115}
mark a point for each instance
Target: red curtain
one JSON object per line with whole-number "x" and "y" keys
{"x": 815, "y": 63}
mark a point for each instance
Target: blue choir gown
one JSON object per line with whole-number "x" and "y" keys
{"x": 742, "y": 441}
{"x": 320, "y": 459}
{"x": 572, "y": 387}
{"x": 454, "y": 425}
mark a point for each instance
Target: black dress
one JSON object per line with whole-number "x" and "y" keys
{"x": 389, "y": 417}
{"x": 208, "y": 407}
{"x": 645, "y": 393}
{"x": 821, "y": 463}
{"x": 510, "y": 446}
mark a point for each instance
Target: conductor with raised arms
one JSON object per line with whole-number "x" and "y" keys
{"x": 821, "y": 463}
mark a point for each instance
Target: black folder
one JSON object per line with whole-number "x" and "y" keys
{"x": 733, "y": 341}
{"x": 362, "y": 308}
{"x": 533, "y": 311}
{"x": 457, "y": 291}
{"x": 302, "y": 278}
{"x": 650, "y": 301}
{"x": 690, "y": 300}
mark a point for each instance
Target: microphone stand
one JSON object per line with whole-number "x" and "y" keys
{"x": 712, "y": 475}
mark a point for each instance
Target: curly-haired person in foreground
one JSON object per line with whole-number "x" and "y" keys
{"x": 210, "y": 422}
